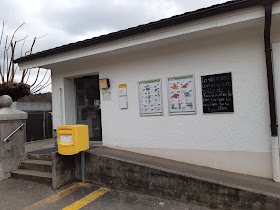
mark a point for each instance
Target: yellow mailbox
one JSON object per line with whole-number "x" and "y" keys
{"x": 72, "y": 139}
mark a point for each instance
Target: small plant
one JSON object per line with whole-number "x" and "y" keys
{"x": 15, "y": 90}
{"x": 213, "y": 206}
{"x": 13, "y": 82}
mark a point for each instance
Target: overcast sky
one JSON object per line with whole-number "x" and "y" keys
{"x": 65, "y": 21}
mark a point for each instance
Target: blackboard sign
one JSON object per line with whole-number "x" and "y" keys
{"x": 217, "y": 93}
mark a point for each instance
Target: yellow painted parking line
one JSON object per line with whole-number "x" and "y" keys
{"x": 57, "y": 196}
{"x": 86, "y": 200}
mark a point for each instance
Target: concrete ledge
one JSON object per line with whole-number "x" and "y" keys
{"x": 251, "y": 163}
{"x": 180, "y": 181}
{"x": 63, "y": 168}
{"x": 9, "y": 113}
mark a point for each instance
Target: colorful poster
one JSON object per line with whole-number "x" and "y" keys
{"x": 150, "y": 97}
{"x": 181, "y": 95}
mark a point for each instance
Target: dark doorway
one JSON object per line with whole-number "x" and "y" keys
{"x": 88, "y": 105}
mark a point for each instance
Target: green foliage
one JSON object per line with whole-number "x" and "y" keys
{"x": 213, "y": 206}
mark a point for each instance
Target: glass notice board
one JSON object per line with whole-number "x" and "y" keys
{"x": 150, "y": 97}
{"x": 181, "y": 95}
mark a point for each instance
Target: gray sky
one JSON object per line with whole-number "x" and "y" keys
{"x": 66, "y": 21}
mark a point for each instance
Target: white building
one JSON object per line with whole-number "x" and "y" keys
{"x": 226, "y": 38}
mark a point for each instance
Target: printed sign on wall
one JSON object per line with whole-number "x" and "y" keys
{"x": 181, "y": 95}
{"x": 150, "y": 97}
{"x": 106, "y": 96}
{"x": 217, "y": 93}
{"x": 123, "y": 96}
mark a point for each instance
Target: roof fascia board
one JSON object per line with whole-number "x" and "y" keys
{"x": 187, "y": 28}
{"x": 276, "y": 8}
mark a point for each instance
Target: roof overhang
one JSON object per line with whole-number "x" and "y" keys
{"x": 216, "y": 16}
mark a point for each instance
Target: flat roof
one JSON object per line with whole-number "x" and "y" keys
{"x": 141, "y": 29}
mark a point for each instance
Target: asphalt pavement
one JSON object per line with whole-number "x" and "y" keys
{"x": 17, "y": 194}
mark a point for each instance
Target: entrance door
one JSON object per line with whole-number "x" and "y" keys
{"x": 88, "y": 105}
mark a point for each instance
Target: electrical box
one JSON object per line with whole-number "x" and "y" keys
{"x": 72, "y": 139}
{"x": 104, "y": 83}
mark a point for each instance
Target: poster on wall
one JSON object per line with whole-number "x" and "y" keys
{"x": 150, "y": 97}
{"x": 106, "y": 96}
{"x": 217, "y": 93}
{"x": 123, "y": 96}
{"x": 181, "y": 95}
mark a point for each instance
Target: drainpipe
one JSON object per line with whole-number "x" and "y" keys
{"x": 272, "y": 105}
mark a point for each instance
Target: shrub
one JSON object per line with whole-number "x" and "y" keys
{"x": 15, "y": 90}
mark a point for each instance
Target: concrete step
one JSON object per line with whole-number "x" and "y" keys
{"x": 29, "y": 175}
{"x": 46, "y": 157}
{"x": 36, "y": 165}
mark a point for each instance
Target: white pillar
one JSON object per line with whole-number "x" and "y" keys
{"x": 275, "y": 140}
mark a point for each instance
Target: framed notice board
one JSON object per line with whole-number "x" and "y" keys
{"x": 181, "y": 95}
{"x": 150, "y": 97}
{"x": 217, "y": 93}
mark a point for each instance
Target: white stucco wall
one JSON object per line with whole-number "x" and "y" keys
{"x": 236, "y": 141}
{"x": 247, "y": 129}
{"x": 224, "y": 50}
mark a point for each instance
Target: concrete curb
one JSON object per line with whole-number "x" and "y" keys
{"x": 168, "y": 179}
{"x": 146, "y": 174}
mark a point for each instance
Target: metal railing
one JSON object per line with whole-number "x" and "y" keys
{"x": 7, "y": 139}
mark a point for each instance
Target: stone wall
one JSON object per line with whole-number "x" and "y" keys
{"x": 13, "y": 149}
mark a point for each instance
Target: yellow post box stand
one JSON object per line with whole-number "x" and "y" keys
{"x": 72, "y": 139}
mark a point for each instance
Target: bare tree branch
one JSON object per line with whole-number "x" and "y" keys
{"x": 16, "y": 31}
{"x": 7, "y": 60}
{"x": 42, "y": 79}
{"x": 29, "y": 71}
{"x": 9, "y": 70}
{"x": 22, "y": 48}
{"x": 42, "y": 86}
{"x": 3, "y": 25}
{"x": 4, "y": 59}
{"x": 31, "y": 49}
{"x": 15, "y": 72}
{"x": 36, "y": 78}
{"x": 1, "y": 75}
{"x": 23, "y": 39}
{"x": 42, "y": 36}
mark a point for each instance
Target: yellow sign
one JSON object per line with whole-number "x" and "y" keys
{"x": 122, "y": 85}
{"x": 72, "y": 139}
